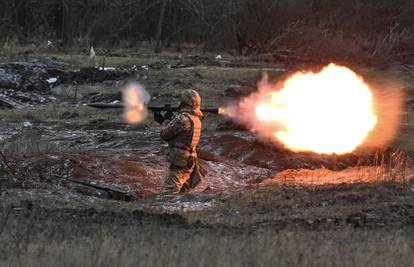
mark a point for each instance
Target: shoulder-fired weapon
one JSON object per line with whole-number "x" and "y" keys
{"x": 165, "y": 108}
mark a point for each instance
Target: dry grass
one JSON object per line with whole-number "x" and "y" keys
{"x": 372, "y": 174}
{"x": 54, "y": 113}
{"x": 82, "y": 60}
{"x": 179, "y": 247}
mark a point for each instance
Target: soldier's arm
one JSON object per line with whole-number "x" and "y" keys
{"x": 173, "y": 128}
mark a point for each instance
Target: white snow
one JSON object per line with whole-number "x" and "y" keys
{"x": 107, "y": 68}
{"x": 52, "y": 80}
{"x": 27, "y": 124}
{"x": 188, "y": 205}
{"x": 92, "y": 53}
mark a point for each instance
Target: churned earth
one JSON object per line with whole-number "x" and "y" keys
{"x": 80, "y": 188}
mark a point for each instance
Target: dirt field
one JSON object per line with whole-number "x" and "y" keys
{"x": 260, "y": 205}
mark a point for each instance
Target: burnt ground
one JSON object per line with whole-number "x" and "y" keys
{"x": 79, "y": 187}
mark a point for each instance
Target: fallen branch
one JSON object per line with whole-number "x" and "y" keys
{"x": 115, "y": 193}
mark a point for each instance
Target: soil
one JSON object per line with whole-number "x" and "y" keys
{"x": 69, "y": 171}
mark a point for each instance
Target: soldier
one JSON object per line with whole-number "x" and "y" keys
{"x": 183, "y": 135}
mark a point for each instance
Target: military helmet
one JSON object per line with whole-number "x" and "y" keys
{"x": 191, "y": 98}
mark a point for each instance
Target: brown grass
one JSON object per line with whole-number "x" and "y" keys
{"x": 137, "y": 246}
{"x": 372, "y": 174}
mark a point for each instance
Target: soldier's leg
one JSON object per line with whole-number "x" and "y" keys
{"x": 176, "y": 178}
{"x": 186, "y": 178}
{"x": 171, "y": 183}
{"x": 197, "y": 176}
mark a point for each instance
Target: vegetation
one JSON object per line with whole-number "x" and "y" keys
{"x": 321, "y": 29}
{"x": 250, "y": 213}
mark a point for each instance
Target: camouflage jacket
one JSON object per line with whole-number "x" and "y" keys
{"x": 183, "y": 130}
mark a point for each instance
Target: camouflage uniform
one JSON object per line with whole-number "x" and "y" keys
{"x": 183, "y": 135}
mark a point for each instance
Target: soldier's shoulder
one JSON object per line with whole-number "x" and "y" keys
{"x": 180, "y": 118}
{"x": 184, "y": 118}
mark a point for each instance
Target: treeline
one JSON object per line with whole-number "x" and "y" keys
{"x": 306, "y": 28}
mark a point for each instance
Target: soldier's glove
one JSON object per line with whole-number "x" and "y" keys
{"x": 168, "y": 114}
{"x": 158, "y": 117}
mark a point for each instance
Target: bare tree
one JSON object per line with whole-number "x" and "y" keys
{"x": 318, "y": 28}
{"x": 160, "y": 26}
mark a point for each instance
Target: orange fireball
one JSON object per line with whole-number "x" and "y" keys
{"x": 329, "y": 112}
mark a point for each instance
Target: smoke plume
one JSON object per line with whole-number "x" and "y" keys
{"x": 135, "y": 98}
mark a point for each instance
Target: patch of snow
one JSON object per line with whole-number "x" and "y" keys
{"x": 107, "y": 68}
{"x": 145, "y": 67}
{"x": 52, "y": 80}
{"x": 27, "y": 124}
{"x": 219, "y": 57}
{"x": 188, "y": 206}
{"x": 92, "y": 53}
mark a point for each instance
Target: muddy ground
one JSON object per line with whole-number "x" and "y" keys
{"x": 79, "y": 187}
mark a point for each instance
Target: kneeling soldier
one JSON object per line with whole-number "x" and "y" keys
{"x": 183, "y": 135}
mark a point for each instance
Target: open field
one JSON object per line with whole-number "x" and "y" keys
{"x": 260, "y": 205}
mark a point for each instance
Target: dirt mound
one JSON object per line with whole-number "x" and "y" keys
{"x": 138, "y": 172}
{"x": 24, "y": 76}
{"x": 131, "y": 159}
{"x": 366, "y": 174}
{"x": 248, "y": 149}
{"x": 27, "y": 83}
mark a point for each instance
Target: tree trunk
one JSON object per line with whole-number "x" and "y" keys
{"x": 58, "y": 20}
{"x": 241, "y": 42}
{"x": 159, "y": 28}
{"x": 67, "y": 23}
{"x": 21, "y": 17}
